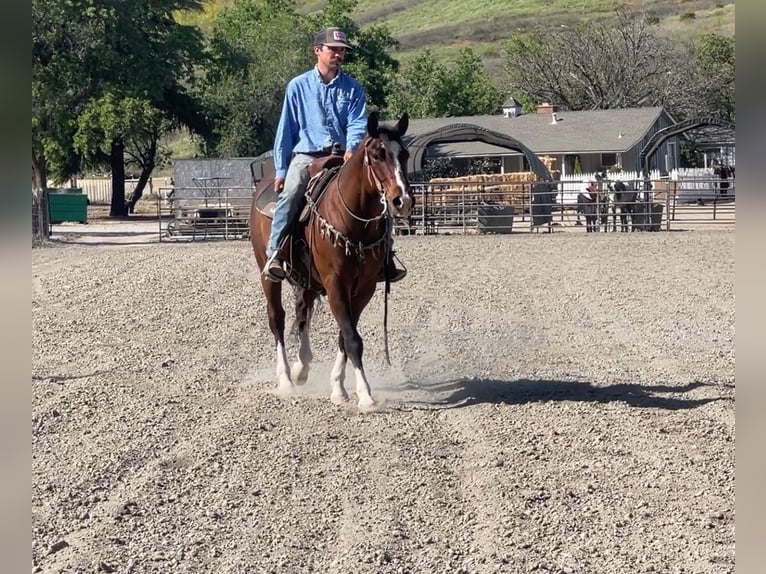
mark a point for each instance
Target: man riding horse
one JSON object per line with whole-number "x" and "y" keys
{"x": 324, "y": 112}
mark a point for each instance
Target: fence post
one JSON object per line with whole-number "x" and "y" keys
{"x": 463, "y": 206}
{"x": 530, "y": 204}
{"x": 667, "y": 208}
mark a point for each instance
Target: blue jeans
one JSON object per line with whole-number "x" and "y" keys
{"x": 296, "y": 180}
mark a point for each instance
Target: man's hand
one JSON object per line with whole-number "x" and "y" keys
{"x": 347, "y": 156}
{"x": 279, "y": 184}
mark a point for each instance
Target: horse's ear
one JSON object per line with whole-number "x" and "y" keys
{"x": 403, "y": 124}
{"x": 372, "y": 124}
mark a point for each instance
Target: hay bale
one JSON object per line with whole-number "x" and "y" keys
{"x": 548, "y": 161}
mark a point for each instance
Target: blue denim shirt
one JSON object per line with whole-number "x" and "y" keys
{"x": 315, "y": 115}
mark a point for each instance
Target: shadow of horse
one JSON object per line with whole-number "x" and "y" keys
{"x": 470, "y": 391}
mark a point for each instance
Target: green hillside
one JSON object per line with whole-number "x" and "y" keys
{"x": 445, "y": 26}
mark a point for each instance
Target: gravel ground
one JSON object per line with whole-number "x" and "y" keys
{"x": 557, "y": 403}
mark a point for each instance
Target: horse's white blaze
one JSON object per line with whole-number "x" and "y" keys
{"x": 284, "y": 382}
{"x": 337, "y": 375}
{"x": 396, "y": 149}
{"x": 300, "y": 371}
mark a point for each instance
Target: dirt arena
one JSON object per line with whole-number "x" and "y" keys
{"x": 558, "y": 403}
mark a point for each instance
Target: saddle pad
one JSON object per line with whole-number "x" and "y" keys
{"x": 315, "y": 189}
{"x": 266, "y": 201}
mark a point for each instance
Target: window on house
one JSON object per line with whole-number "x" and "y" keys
{"x": 608, "y": 159}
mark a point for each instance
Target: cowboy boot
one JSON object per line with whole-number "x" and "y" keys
{"x": 394, "y": 273}
{"x": 274, "y": 270}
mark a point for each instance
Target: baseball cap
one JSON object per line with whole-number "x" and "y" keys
{"x": 331, "y": 37}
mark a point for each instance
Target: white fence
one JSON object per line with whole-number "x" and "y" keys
{"x": 99, "y": 189}
{"x": 693, "y": 183}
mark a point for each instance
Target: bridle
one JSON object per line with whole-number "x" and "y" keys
{"x": 377, "y": 183}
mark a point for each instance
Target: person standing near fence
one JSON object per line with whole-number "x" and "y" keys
{"x": 722, "y": 171}
{"x": 588, "y": 189}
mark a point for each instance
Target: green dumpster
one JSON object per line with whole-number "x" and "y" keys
{"x": 67, "y": 204}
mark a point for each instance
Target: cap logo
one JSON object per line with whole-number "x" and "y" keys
{"x": 338, "y": 35}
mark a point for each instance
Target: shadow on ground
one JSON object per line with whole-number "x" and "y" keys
{"x": 466, "y": 392}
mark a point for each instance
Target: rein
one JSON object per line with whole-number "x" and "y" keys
{"x": 378, "y": 185}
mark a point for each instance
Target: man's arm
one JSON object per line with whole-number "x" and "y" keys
{"x": 287, "y": 134}
{"x": 357, "y": 120}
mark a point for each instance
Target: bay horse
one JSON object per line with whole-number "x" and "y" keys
{"x": 344, "y": 245}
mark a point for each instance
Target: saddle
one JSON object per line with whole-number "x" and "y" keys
{"x": 294, "y": 248}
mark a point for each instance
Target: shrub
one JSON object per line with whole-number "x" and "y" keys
{"x": 687, "y": 16}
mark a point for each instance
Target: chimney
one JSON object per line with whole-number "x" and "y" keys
{"x": 546, "y": 108}
{"x": 511, "y": 108}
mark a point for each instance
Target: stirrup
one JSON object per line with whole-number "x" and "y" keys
{"x": 273, "y": 270}
{"x": 398, "y": 275}
{"x": 395, "y": 273}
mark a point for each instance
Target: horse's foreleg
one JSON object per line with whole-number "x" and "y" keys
{"x": 338, "y": 394}
{"x": 304, "y": 305}
{"x": 276, "y": 312}
{"x": 350, "y": 345}
{"x": 363, "y": 390}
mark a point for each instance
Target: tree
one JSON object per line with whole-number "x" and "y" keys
{"x": 705, "y": 79}
{"x": 594, "y": 65}
{"x": 441, "y": 166}
{"x": 427, "y": 88}
{"x": 60, "y": 83}
{"x": 136, "y": 122}
{"x": 257, "y": 46}
{"x": 107, "y": 61}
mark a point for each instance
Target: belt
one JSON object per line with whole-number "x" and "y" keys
{"x": 322, "y": 152}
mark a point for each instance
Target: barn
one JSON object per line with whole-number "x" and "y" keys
{"x": 585, "y": 141}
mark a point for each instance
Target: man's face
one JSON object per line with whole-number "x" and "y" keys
{"x": 330, "y": 56}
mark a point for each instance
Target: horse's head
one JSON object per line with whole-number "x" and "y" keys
{"x": 386, "y": 157}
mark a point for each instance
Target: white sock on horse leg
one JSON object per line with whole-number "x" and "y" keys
{"x": 284, "y": 382}
{"x": 337, "y": 376}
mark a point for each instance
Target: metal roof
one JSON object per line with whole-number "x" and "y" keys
{"x": 590, "y": 131}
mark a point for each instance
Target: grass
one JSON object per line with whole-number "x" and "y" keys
{"x": 427, "y": 15}
{"x": 445, "y": 26}
{"x": 488, "y": 36}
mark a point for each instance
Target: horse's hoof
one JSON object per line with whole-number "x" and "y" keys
{"x": 299, "y": 375}
{"x": 339, "y": 399}
{"x": 285, "y": 389}
{"x": 372, "y": 407}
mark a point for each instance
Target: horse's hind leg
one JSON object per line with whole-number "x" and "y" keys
{"x": 304, "y": 309}
{"x": 276, "y": 311}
